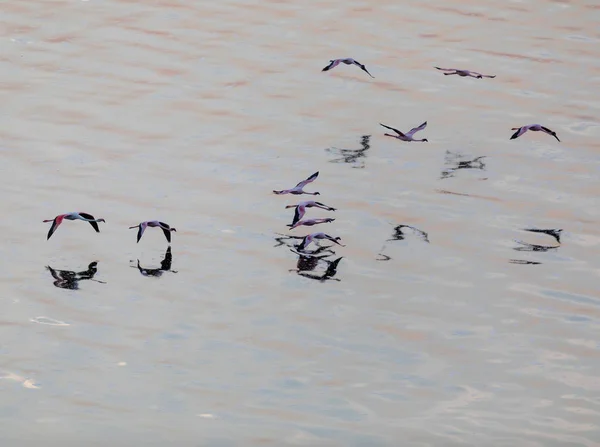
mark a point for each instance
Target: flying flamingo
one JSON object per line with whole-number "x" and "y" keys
{"x": 298, "y": 189}
{"x": 408, "y": 136}
{"x": 348, "y": 61}
{"x": 73, "y": 216}
{"x": 153, "y": 223}
{"x": 310, "y": 222}
{"x": 535, "y": 127}
{"x": 309, "y": 238}
{"x": 301, "y": 208}
{"x": 463, "y": 73}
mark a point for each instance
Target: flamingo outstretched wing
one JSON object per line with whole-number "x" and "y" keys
{"x": 166, "y": 230}
{"x": 92, "y": 218}
{"x": 303, "y": 183}
{"x": 395, "y": 130}
{"x": 414, "y": 130}
{"x": 55, "y": 223}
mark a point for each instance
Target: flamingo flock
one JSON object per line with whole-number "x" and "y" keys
{"x": 301, "y": 207}
{"x": 94, "y": 223}
{"x": 409, "y": 136}
{"x": 300, "y": 210}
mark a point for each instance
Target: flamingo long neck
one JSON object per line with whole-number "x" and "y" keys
{"x": 87, "y": 220}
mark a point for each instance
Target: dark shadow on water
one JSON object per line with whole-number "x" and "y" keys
{"x": 355, "y": 157}
{"x": 526, "y": 246}
{"x": 523, "y": 262}
{"x": 456, "y": 162}
{"x": 550, "y": 232}
{"x": 165, "y": 266}
{"x": 68, "y": 279}
{"x": 398, "y": 235}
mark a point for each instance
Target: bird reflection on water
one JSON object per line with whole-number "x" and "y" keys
{"x": 526, "y": 246}
{"x": 352, "y": 156}
{"x": 310, "y": 260}
{"x": 523, "y": 262}
{"x": 550, "y": 232}
{"x": 399, "y": 235}
{"x": 454, "y": 159}
{"x": 165, "y": 266}
{"x": 68, "y": 279}
{"x": 309, "y": 263}
{"x": 282, "y": 238}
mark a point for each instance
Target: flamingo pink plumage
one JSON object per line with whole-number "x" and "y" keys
{"x": 408, "y": 136}
{"x": 73, "y": 216}
{"x": 535, "y": 127}
{"x": 310, "y": 222}
{"x": 153, "y": 223}
{"x": 309, "y": 238}
{"x": 301, "y": 208}
{"x": 348, "y": 61}
{"x": 298, "y": 189}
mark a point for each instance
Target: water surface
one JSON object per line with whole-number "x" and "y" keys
{"x": 192, "y": 113}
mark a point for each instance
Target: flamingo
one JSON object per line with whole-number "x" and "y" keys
{"x": 301, "y": 208}
{"x": 535, "y": 127}
{"x": 310, "y": 222}
{"x": 408, "y": 136}
{"x": 298, "y": 189}
{"x": 309, "y": 238}
{"x": 348, "y": 61}
{"x": 153, "y": 223}
{"x": 73, "y": 216}
{"x": 463, "y": 73}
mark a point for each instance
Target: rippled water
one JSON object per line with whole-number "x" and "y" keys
{"x": 192, "y": 113}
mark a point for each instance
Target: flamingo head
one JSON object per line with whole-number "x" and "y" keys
{"x": 337, "y": 241}
{"x": 101, "y": 220}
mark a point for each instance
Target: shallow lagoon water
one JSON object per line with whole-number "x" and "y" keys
{"x": 192, "y": 113}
